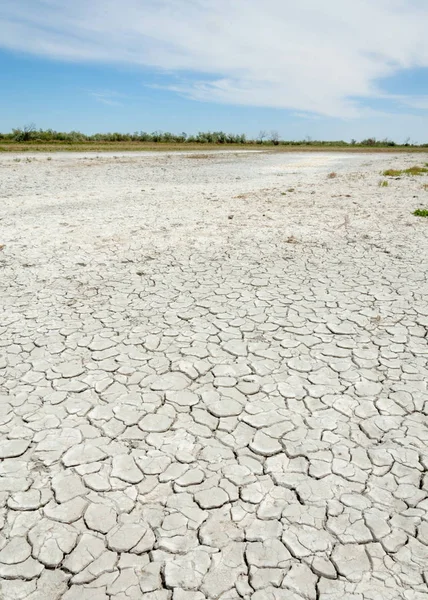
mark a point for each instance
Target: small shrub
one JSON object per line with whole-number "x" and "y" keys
{"x": 410, "y": 171}
{"x": 392, "y": 173}
{"x": 383, "y": 183}
{"x": 421, "y": 212}
{"x": 332, "y": 175}
{"x": 416, "y": 170}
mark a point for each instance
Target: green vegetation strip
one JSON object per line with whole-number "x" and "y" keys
{"x": 410, "y": 171}
{"x": 421, "y": 212}
{"x": 188, "y": 147}
{"x": 29, "y": 138}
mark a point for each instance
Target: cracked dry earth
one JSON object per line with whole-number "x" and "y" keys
{"x": 213, "y": 378}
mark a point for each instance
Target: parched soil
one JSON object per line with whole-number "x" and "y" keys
{"x": 213, "y": 377}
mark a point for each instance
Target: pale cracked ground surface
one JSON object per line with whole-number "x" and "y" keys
{"x": 209, "y": 389}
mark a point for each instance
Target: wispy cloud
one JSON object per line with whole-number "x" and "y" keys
{"x": 109, "y": 98}
{"x": 313, "y": 57}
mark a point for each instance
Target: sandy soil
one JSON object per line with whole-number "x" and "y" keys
{"x": 213, "y": 377}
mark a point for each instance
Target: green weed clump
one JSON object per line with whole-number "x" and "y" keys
{"x": 383, "y": 183}
{"x": 416, "y": 170}
{"x": 421, "y": 212}
{"x": 392, "y": 173}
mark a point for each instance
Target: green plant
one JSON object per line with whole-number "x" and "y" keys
{"x": 392, "y": 173}
{"x": 421, "y": 212}
{"x": 383, "y": 183}
{"x": 415, "y": 170}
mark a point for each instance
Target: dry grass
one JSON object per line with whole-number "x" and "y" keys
{"x": 332, "y": 175}
{"x": 159, "y": 147}
{"x": 291, "y": 240}
{"x": 201, "y": 156}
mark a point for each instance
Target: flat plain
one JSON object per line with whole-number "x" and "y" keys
{"x": 213, "y": 377}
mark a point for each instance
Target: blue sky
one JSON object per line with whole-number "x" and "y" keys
{"x": 334, "y": 70}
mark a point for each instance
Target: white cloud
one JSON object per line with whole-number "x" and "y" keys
{"x": 109, "y": 98}
{"x": 311, "y": 56}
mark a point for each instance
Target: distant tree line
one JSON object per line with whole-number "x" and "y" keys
{"x": 31, "y": 134}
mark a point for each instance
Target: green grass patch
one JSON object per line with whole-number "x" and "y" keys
{"x": 392, "y": 173}
{"x": 383, "y": 183}
{"x": 421, "y": 212}
{"x": 416, "y": 170}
